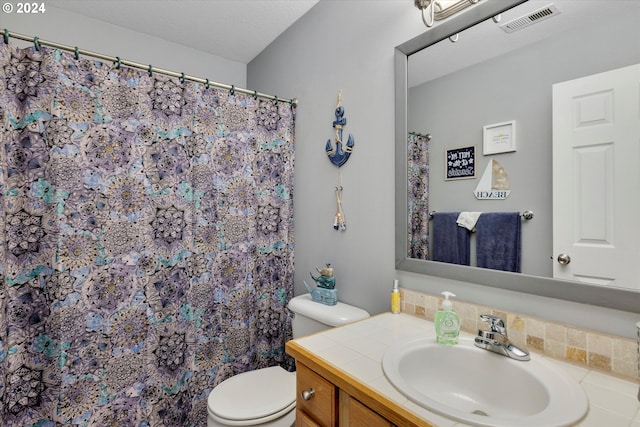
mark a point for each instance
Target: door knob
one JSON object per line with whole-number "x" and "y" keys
{"x": 564, "y": 259}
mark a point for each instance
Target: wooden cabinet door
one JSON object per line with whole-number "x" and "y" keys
{"x": 303, "y": 420}
{"x": 321, "y": 404}
{"x": 355, "y": 414}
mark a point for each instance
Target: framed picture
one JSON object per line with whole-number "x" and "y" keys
{"x": 499, "y": 138}
{"x": 461, "y": 163}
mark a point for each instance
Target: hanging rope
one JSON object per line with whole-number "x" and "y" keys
{"x": 340, "y": 221}
{"x": 339, "y": 126}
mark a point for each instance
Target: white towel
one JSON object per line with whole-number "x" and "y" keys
{"x": 468, "y": 220}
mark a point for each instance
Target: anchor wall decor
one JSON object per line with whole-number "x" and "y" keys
{"x": 338, "y": 155}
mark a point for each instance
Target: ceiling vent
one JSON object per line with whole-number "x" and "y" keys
{"x": 530, "y": 18}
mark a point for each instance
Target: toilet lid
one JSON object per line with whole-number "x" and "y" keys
{"x": 254, "y": 394}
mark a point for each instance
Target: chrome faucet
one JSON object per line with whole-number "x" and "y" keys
{"x": 496, "y": 339}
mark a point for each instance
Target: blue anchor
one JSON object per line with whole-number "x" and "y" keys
{"x": 339, "y": 156}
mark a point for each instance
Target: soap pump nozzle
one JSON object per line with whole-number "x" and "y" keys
{"x": 446, "y": 304}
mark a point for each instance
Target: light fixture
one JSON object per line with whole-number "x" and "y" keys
{"x": 437, "y": 10}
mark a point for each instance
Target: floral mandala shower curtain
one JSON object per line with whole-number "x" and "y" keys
{"x": 147, "y": 248}
{"x": 418, "y": 196}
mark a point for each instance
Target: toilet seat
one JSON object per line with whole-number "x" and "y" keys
{"x": 253, "y": 397}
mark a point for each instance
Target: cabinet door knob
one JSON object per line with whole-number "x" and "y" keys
{"x": 308, "y": 394}
{"x": 564, "y": 259}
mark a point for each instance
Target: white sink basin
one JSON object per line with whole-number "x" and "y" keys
{"x": 482, "y": 388}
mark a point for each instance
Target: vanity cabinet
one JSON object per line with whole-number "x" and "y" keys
{"x": 353, "y": 413}
{"x": 317, "y": 403}
{"x": 328, "y": 397}
{"x": 321, "y": 403}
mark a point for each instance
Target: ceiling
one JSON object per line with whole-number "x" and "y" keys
{"x": 237, "y": 30}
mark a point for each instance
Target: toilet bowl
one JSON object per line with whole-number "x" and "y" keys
{"x": 267, "y": 397}
{"x": 264, "y": 397}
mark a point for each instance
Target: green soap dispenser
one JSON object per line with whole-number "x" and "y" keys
{"x": 447, "y": 322}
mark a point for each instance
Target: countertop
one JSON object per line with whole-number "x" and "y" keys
{"x": 355, "y": 352}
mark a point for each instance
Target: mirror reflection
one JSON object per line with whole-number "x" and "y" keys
{"x": 482, "y": 110}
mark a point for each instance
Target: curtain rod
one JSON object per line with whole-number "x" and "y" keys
{"x": 428, "y": 136}
{"x": 37, "y": 43}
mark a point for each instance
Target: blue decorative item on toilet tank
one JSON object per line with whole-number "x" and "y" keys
{"x": 326, "y": 292}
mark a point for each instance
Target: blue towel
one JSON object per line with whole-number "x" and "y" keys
{"x": 450, "y": 241}
{"x": 498, "y": 237}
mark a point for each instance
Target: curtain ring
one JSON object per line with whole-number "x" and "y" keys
{"x": 117, "y": 62}
{"x": 255, "y": 94}
{"x": 182, "y": 78}
{"x": 76, "y": 53}
{"x": 36, "y": 43}
{"x": 233, "y": 90}
{"x": 275, "y": 100}
{"x": 6, "y": 36}
{"x": 150, "y": 70}
{"x": 207, "y": 85}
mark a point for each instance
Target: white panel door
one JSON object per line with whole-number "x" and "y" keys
{"x": 596, "y": 176}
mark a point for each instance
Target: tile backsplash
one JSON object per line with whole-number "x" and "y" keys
{"x": 594, "y": 350}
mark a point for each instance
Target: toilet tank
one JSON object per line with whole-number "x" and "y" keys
{"x": 311, "y": 317}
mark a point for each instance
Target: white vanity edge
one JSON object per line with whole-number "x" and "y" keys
{"x": 357, "y": 350}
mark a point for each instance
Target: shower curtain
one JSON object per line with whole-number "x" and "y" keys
{"x": 147, "y": 241}
{"x": 418, "y": 196}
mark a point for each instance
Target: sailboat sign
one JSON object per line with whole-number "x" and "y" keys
{"x": 494, "y": 184}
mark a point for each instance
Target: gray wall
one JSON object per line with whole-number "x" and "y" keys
{"x": 344, "y": 45}
{"x": 340, "y": 44}
{"x": 60, "y": 26}
{"x": 515, "y": 86}
{"x": 349, "y": 45}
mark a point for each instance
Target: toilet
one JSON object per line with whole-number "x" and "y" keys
{"x": 267, "y": 397}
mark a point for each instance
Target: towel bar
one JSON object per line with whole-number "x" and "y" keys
{"x": 526, "y": 214}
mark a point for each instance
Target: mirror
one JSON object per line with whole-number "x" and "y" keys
{"x": 432, "y": 57}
